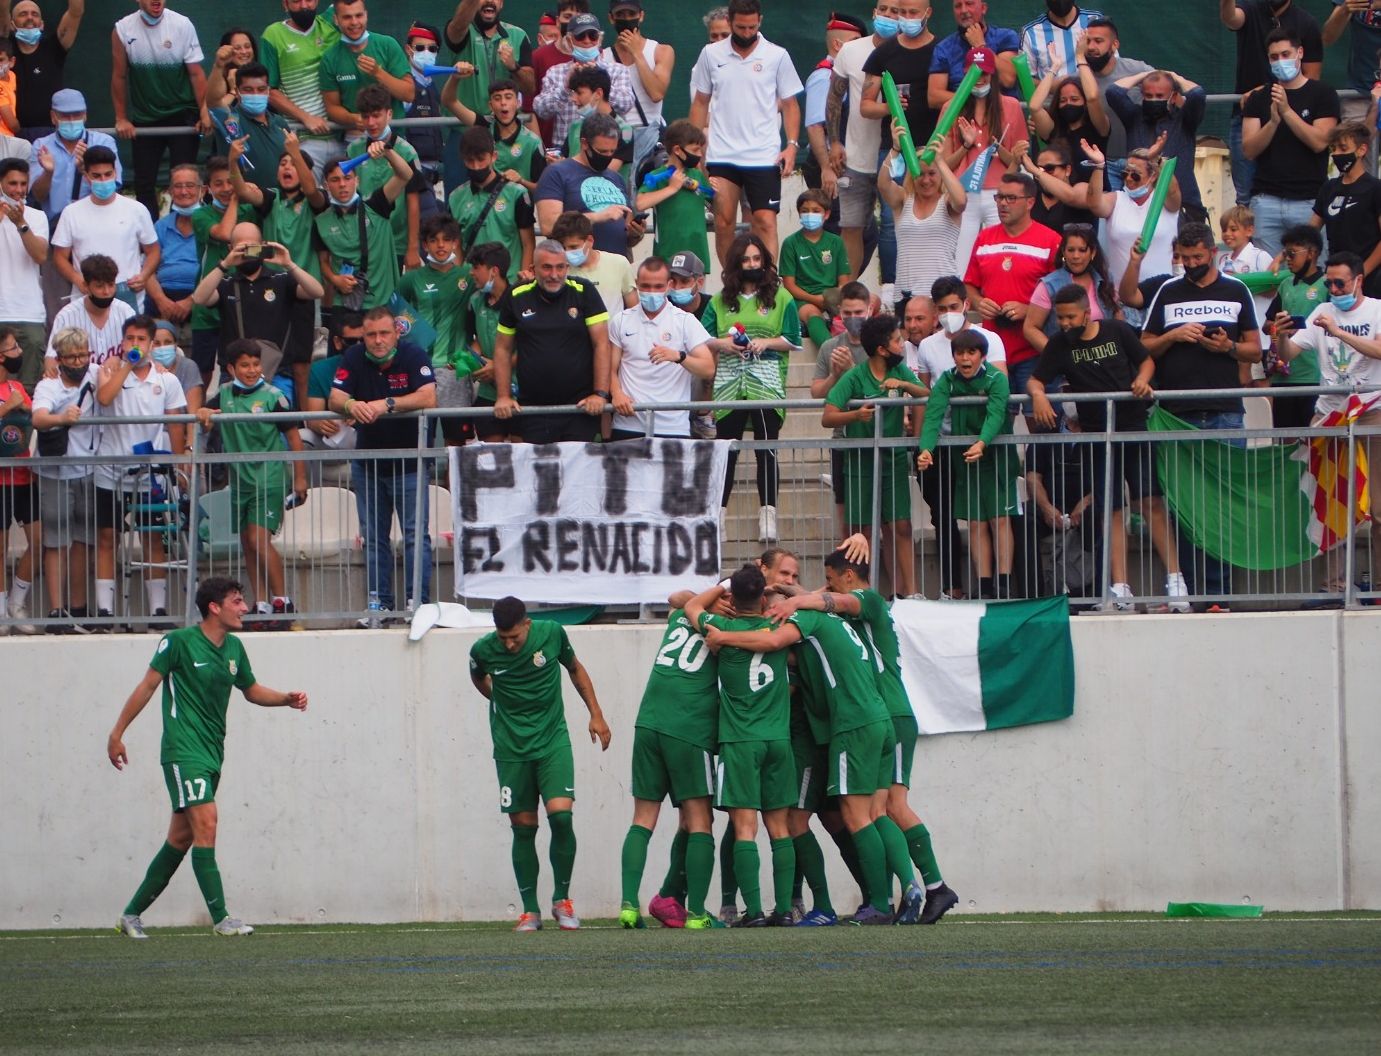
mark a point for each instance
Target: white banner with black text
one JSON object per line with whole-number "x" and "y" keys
{"x": 598, "y": 524}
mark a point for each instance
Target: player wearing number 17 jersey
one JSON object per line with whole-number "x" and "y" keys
{"x": 518, "y": 670}
{"x": 673, "y": 754}
{"x": 197, "y": 667}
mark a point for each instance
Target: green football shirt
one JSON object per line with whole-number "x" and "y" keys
{"x": 254, "y": 436}
{"x": 290, "y": 220}
{"x": 339, "y": 232}
{"x": 682, "y": 697}
{"x": 197, "y": 679}
{"x": 681, "y": 223}
{"x": 754, "y": 695}
{"x": 526, "y": 715}
{"x": 211, "y": 252}
{"x": 339, "y": 70}
{"x": 376, "y": 172}
{"x": 816, "y": 266}
{"x": 484, "y": 327}
{"x": 443, "y": 299}
{"x": 874, "y": 624}
{"x": 483, "y": 53}
{"x": 293, "y": 59}
{"x": 512, "y": 210}
{"x": 846, "y": 667}
{"x": 518, "y": 152}
{"x": 860, "y": 383}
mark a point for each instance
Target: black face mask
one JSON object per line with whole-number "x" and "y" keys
{"x": 478, "y": 177}
{"x": 13, "y": 364}
{"x": 600, "y": 162}
{"x": 304, "y": 18}
{"x": 743, "y": 43}
{"x": 1059, "y": 8}
{"x": 1197, "y": 273}
{"x": 1099, "y": 62}
{"x": 100, "y": 302}
{"x": 1153, "y": 110}
{"x": 250, "y": 268}
{"x": 893, "y": 360}
{"x": 692, "y": 161}
{"x": 752, "y": 274}
{"x": 1071, "y": 112}
{"x": 72, "y": 374}
{"x": 1344, "y": 162}
{"x": 620, "y": 24}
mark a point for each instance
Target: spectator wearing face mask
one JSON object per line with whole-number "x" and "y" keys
{"x": 40, "y": 55}
{"x": 1170, "y": 112}
{"x": 167, "y": 356}
{"x": 1102, "y": 49}
{"x": 837, "y": 357}
{"x": 97, "y": 314}
{"x": 1124, "y": 213}
{"x": 1348, "y": 207}
{"x": 1053, "y": 43}
{"x": 555, "y": 102}
{"x": 23, "y": 248}
{"x": 1071, "y": 109}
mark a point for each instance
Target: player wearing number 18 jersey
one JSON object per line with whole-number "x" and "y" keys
{"x": 518, "y": 670}
{"x": 673, "y": 749}
{"x": 756, "y": 771}
{"x": 197, "y": 668}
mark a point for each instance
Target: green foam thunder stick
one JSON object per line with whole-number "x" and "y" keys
{"x": 951, "y": 114}
{"x": 1027, "y": 84}
{"x": 1148, "y": 230}
{"x": 904, "y": 144}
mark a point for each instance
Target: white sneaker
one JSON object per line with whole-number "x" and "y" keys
{"x": 1120, "y": 601}
{"x": 827, "y": 480}
{"x": 130, "y": 925}
{"x": 231, "y": 926}
{"x": 1178, "y": 592}
{"x": 21, "y": 612}
{"x": 564, "y": 912}
{"x": 887, "y": 294}
{"x": 767, "y": 525}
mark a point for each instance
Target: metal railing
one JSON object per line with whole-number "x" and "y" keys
{"x": 182, "y": 522}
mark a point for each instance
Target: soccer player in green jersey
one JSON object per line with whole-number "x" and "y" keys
{"x": 518, "y": 670}
{"x": 673, "y": 748}
{"x": 850, "y": 595}
{"x": 756, "y": 772}
{"x": 838, "y": 665}
{"x": 196, "y": 666}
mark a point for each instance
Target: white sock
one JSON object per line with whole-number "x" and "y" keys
{"x": 156, "y": 591}
{"x": 262, "y": 606}
{"x": 105, "y": 595}
{"x": 19, "y": 591}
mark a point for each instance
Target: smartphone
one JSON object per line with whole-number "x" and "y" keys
{"x": 255, "y": 251}
{"x": 641, "y": 217}
{"x": 1214, "y": 331}
{"x": 291, "y": 501}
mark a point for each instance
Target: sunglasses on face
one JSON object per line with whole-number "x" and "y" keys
{"x": 1338, "y": 284}
{"x": 1050, "y": 170}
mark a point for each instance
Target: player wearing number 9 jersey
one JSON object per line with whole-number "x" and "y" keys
{"x": 673, "y": 754}
{"x": 197, "y": 668}
{"x": 518, "y": 670}
{"x": 756, "y": 771}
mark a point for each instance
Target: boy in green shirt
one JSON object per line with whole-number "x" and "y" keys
{"x": 521, "y": 156}
{"x": 756, "y": 770}
{"x": 490, "y": 208}
{"x": 197, "y": 667}
{"x": 1301, "y": 290}
{"x": 517, "y": 669}
{"x": 814, "y": 265}
{"x": 257, "y": 488}
{"x": 985, "y": 482}
{"x": 440, "y": 291}
{"x": 363, "y": 272}
{"x": 882, "y": 374}
{"x": 680, "y": 203}
{"x": 376, "y": 112}
{"x": 489, "y": 263}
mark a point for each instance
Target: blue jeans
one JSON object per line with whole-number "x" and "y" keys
{"x": 1204, "y": 574}
{"x": 1243, "y": 167}
{"x": 1275, "y": 216}
{"x": 887, "y": 239}
{"x": 382, "y": 490}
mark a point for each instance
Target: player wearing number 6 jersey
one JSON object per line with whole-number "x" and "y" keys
{"x": 518, "y": 670}
{"x": 197, "y": 667}
{"x": 673, "y": 754}
{"x": 756, "y": 770}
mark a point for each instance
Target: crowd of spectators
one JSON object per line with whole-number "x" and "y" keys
{"x": 505, "y": 250}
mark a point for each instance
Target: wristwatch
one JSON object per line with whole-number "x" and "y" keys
{"x": 603, "y": 395}
{"x": 24, "y": 230}
{"x": 682, "y": 357}
{"x": 390, "y": 404}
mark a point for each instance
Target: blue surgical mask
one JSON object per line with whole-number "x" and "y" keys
{"x": 254, "y": 105}
{"x": 28, "y": 37}
{"x": 896, "y": 168}
{"x": 347, "y": 203}
{"x": 1139, "y": 194}
{"x": 358, "y": 42}
{"x": 441, "y": 262}
{"x": 911, "y": 27}
{"x": 71, "y": 130}
{"x": 104, "y": 190}
{"x": 584, "y": 54}
{"x": 652, "y": 302}
{"x": 488, "y": 287}
{"x": 184, "y": 210}
{"x": 585, "y": 111}
{"x": 576, "y": 257}
{"x": 151, "y": 21}
{"x": 219, "y": 206}
{"x": 165, "y": 355}
{"x": 885, "y": 27}
{"x": 980, "y": 91}
{"x": 812, "y": 221}
{"x": 681, "y": 298}
{"x": 247, "y": 388}
{"x": 1285, "y": 69}
{"x": 1344, "y": 302}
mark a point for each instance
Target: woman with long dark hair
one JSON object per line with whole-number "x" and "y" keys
{"x": 1081, "y": 263}
{"x": 1076, "y": 112}
{"x": 753, "y": 325}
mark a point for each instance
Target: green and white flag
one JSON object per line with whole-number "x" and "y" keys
{"x": 986, "y": 665}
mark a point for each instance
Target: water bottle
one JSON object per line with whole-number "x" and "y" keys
{"x": 376, "y": 608}
{"x": 1364, "y": 587}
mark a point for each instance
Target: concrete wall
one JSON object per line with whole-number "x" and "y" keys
{"x": 1209, "y": 758}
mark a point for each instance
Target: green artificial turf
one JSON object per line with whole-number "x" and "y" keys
{"x": 1029, "y": 984}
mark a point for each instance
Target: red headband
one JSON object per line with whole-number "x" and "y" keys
{"x": 422, "y": 34}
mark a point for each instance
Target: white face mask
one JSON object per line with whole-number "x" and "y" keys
{"x": 952, "y": 322}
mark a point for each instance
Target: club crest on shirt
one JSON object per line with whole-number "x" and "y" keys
{"x": 572, "y": 311}
{"x": 270, "y": 296}
{"x": 757, "y": 67}
{"x": 233, "y": 668}
{"x": 1006, "y": 263}
{"x": 515, "y": 151}
{"x": 826, "y": 257}
{"x": 539, "y": 659}
{"x": 500, "y": 206}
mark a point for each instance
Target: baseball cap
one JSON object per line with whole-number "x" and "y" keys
{"x": 687, "y": 266}
{"x": 983, "y": 58}
{"x": 547, "y": 19}
{"x": 69, "y": 101}
{"x": 583, "y": 23}
{"x": 840, "y": 21}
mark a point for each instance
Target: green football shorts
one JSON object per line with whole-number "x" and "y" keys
{"x": 906, "y": 730}
{"x": 860, "y": 760}
{"x": 668, "y": 766}
{"x": 523, "y": 781}
{"x": 759, "y": 775}
{"x": 191, "y": 783}
{"x": 811, "y": 766}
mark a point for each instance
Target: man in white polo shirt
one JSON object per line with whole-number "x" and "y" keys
{"x": 657, "y": 352}
{"x": 750, "y": 80}
{"x": 129, "y": 387}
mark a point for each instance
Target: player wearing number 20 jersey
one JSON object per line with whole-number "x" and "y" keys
{"x": 673, "y": 754}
